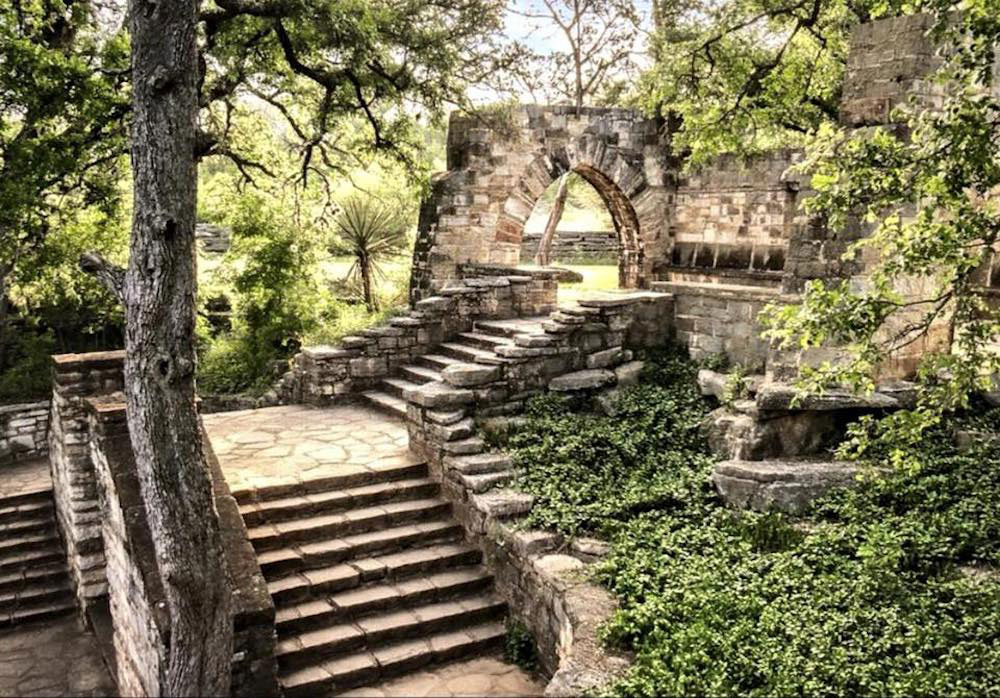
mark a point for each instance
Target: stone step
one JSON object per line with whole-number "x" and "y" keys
{"x": 61, "y": 607}
{"x": 436, "y": 362}
{"x": 18, "y": 579}
{"x": 39, "y": 593}
{"x": 433, "y": 585}
{"x": 378, "y": 473}
{"x": 484, "y": 341}
{"x": 41, "y": 555}
{"x": 420, "y": 374}
{"x": 487, "y": 481}
{"x": 285, "y": 561}
{"x": 27, "y": 541}
{"x": 478, "y": 464}
{"x": 29, "y": 510}
{"x": 464, "y": 447}
{"x": 357, "y": 571}
{"x": 26, "y": 525}
{"x": 379, "y": 629}
{"x": 342, "y": 673}
{"x": 284, "y": 533}
{"x": 275, "y": 510}
{"x": 466, "y": 353}
{"x": 509, "y": 328}
{"x": 787, "y": 485}
{"x": 384, "y": 402}
{"x": 396, "y": 387}
{"x": 30, "y": 497}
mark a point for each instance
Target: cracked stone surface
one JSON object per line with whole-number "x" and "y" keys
{"x": 25, "y": 477}
{"x": 483, "y": 676}
{"x": 297, "y": 443}
{"x": 52, "y": 658}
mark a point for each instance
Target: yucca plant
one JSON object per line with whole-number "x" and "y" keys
{"x": 372, "y": 233}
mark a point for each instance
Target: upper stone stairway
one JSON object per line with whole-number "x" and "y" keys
{"x": 34, "y": 580}
{"x": 370, "y": 577}
{"x": 476, "y": 347}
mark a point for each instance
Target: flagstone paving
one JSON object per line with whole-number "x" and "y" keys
{"x": 25, "y": 477}
{"x": 296, "y": 443}
{"x": 483, "y": 676}
{"x": 52, "y": 658}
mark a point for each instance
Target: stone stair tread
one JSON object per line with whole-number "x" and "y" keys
{"x": 479, "y": 463}
{"x": 35, "y": 556}
{"x": 29, "y": 573}
{"x": 484, "y": 482}
{"x": 359, "y": 517}
{"x": 292, "y": 559}
{"x": 439, "y": 360}
{"x": 24, "y": 614}
{"x": 353, "y": 603}
{"x": 401, "y": 383}
{"x": 477, "y": 354}
{"x": 25, "y": 525}
{"x": 363, "y": 667}
{"x": 425, "y": 375}
{"x": 485, "y": 339}
{"x": 323, "y": 502}
{"x": 27, "y": 510}
{"x": 386, "y": 628}
{"x": 33, "y": 594}
{"x": 511, "y": 327}
{"x": 386, "y": 401}
{"x": 34, "y": 495}
{"x": 31, "y": 541}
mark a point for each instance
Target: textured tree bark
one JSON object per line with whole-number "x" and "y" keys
{"x": 159, "y": 295}
{"x": 544, "y": 255}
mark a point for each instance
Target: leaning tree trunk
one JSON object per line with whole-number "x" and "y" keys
{"x": 159, "y": 296}
{"x": 544, "y": 254}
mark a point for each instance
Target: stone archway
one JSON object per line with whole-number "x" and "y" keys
{"x": 510, "y": 227}
{"x": 476, "y": 211}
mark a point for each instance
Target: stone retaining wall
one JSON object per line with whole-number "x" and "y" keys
{"x": 24, "y": 431}
{"x": 324, "y": 375}
{"x": 102, "y": 521}
{"x": 74, "y": 481}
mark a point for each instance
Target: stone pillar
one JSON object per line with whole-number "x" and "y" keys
{"x": 76, "y": 377}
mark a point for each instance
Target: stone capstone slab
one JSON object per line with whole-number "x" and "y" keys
{"x": 782, "y": 396}
{"x": 469, "y": 374}
{"x": 591, "y": 379}
{"x": 783, "y": 485}
{"x": 438, "y": 395}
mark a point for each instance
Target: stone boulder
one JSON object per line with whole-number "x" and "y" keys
{"x": 742, "y": 432}
{"x": 783, "y": 485}
{"x": 591, "y": 379}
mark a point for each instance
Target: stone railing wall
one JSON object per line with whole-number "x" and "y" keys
{"x": 24, "y": 431}
{"x": 74, "y": 481}
{"x": 325, "y": 375}
{"x": 141, "y": 625}
{"x": 110, "y": 551}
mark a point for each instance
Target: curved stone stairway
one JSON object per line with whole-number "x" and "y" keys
{"x": 476, "y": 347}
{"x": 371, "y": 578}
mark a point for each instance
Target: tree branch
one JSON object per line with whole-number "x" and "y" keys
{"x": 110, "y": 276}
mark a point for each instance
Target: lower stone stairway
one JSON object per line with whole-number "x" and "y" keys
{"x": 371, "y": 578}
{"x": 475, "y": 347}
{"x": 34, "y": 580}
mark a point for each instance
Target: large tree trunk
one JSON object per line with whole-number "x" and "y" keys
{"x": 159, "y": 296}
{"x": 544, "y": 255}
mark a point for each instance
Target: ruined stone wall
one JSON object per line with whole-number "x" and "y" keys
{"x": 476, "y": 211}
{"x": 24, "y": 431}
{"x": 735, "y": 215}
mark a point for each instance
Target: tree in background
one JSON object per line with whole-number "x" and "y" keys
{"x": 371, "y": 233}
{"x": 930, "y": 194}
{"x": 62, "y": 135}
{"x": 600, "y": 38}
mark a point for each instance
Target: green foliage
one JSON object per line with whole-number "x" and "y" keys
{"x": 519, "y": 646}
{"x": 277, "y": 300}
{"x": 372, "y": 233}
{"x": 591, "y": 472}
{"x": 867, "y": 594}
{"x": 929, "y": 204}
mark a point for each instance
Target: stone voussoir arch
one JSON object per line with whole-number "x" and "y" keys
{"x": 477, "y": 209}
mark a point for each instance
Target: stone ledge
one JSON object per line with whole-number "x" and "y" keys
{"x": 782, "y": 396}
{"x": 583, "y": 380}
{"x": 785, "y": 485}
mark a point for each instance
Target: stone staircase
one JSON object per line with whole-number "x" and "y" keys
{"x": 371, "y": 578}
{"x": 475, "y": 347}
{"x": 34, "y": 580}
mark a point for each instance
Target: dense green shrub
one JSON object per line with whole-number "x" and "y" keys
{"x": 868, "y": 593}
